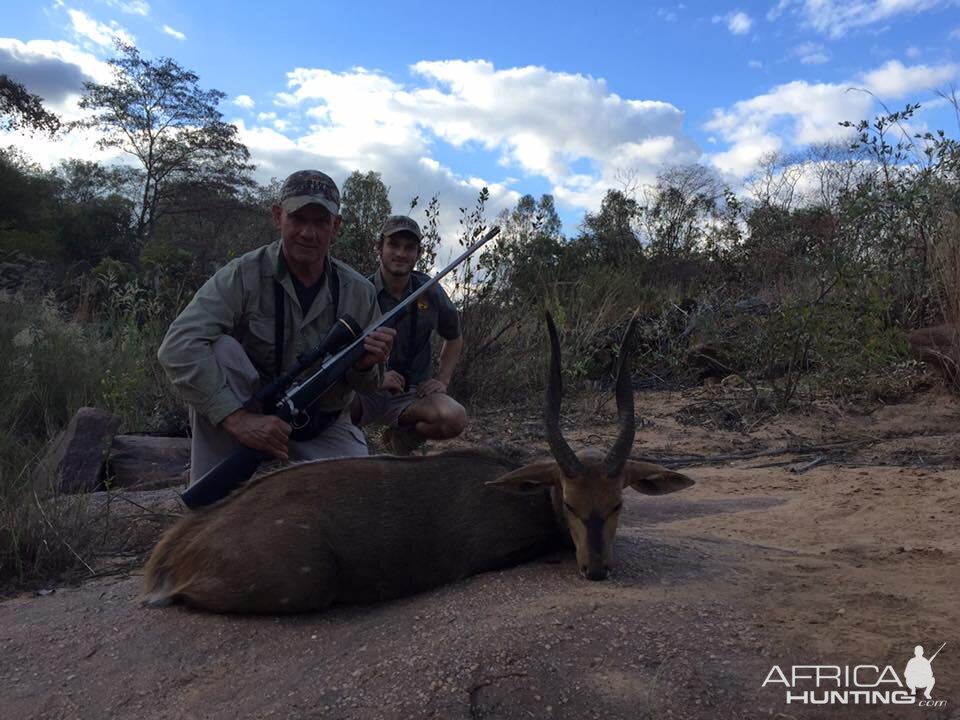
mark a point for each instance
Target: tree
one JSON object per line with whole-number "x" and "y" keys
{"x": 530, "y": 245}
{"x": 365, "y": 205}
{"x": 610, "y": 234}
{"x": 430, "y": 242}
{"x": 19, "y": 109}
{"x": 156, "y": 112}
{"x": 684, "y": 202}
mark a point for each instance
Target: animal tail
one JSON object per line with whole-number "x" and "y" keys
{"x": 162, "y": 578}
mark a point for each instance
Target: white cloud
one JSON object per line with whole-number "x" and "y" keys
{"x": 800, "y": 113}
{"x": 131, "y": 7}
{"x": 811, "y": 53}
{"x": 541, "y": 122}
{"x": 895, "y": 81}
{"x": 738, "y": 22}
{"x": 54, "y": 70}
{"x": 955, "y": 34}
{"x": 754, "y": 64}
{"x": 567, "y": 129}
{"x": 837, "y": 17}
{"x": 174, "y": 33}
{"x": 99, "y": 33}
{"x": 545, "y": 122}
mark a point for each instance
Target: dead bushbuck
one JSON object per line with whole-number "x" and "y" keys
{"x": 367, "y": 529}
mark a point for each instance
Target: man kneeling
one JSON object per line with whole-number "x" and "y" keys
{"x": 411, "y": 404}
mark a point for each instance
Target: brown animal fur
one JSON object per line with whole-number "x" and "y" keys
{"x": 348, "y": 530}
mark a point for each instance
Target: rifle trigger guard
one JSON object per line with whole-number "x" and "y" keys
{"x": 296, "y": 414}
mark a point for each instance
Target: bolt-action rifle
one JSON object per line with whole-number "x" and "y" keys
{"x": 290, "y": 400}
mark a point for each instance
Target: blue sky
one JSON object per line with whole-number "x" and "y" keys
{"x": 567, "y": 98}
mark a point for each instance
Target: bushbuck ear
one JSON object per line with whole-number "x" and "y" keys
{"x": 528, "y": 479}
{"x": 652, "y": 479}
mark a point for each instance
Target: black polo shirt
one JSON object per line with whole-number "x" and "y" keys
{"x": 433, "y": 311}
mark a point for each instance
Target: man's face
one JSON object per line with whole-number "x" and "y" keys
{"x": 399, "y": 253}
{"x": 306, "y": 235}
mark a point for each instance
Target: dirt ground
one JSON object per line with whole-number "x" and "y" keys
{"x": 852, "y": 562}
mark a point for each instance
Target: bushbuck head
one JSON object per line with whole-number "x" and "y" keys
{"x": 587, "y": 486}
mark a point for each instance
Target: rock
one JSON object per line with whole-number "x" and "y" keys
{"x": 143, "y": 462}
{"x": 74, "y": 460}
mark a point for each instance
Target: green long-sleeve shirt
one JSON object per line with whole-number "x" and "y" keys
{"x": 239, "y": 301}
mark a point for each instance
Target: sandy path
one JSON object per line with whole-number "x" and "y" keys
{"x": 751, "y": 567}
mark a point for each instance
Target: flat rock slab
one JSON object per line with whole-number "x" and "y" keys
{"x": 143, "y": 462}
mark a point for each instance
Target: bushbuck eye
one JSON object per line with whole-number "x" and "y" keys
{"x": 617, "y": 509}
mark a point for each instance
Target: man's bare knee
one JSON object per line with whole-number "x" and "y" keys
{"x": 451, "y": 418}
{"x": 454, "y": 418}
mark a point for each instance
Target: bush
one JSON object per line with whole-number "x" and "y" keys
{"x": 49, "y": 368}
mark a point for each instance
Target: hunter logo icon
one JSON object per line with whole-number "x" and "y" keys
{"x": 862, "y": 683}
{"x": 919, "y": 672}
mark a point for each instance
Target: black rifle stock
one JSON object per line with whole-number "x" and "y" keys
{"x": 236, "y": 469}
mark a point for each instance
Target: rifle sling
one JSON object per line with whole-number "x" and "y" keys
{"x": 317, "y": 421}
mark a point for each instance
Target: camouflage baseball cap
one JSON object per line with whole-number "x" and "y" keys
{"x": 400, "y": 223}
{"x": 306, "y": 187}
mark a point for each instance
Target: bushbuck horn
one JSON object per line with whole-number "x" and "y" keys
{"x": 565, "y": 457}
{"x": 618, "y": 454}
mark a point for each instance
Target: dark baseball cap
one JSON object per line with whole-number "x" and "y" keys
{"x": 400, "y": 223}
{"x": 307, "y": 187}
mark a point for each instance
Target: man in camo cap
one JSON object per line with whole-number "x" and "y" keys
{"x": 413, "y": 402}
{"x": 255, "y": 316}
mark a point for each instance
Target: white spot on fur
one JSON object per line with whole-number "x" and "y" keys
{"x": 157, "y": 599}
{"x": 305, "y": 569}
{"x": 278, "y": 522}
{"x": 284, "y": 601}
{"x": 303, "y": 526}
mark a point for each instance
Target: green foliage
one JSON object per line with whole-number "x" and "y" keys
{"x": 431, "y": 234}
{"x": 50, "y": 368}
{"x": 684, "y": 201}
{"x": 75, "y": 213}
{"x": 529, "y": 248}
{"x": 21, "y": 109}
{"x": 612, "y": 235}
{"x": 41, "y": 245}
{"x": 365, "y": 205}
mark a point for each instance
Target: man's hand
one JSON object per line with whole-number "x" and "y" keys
{"x": 429, "y": 387}
{"x": 393, "y": 382}
{"x": 378, "y": 345}
{"x": 266, "y": 433}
